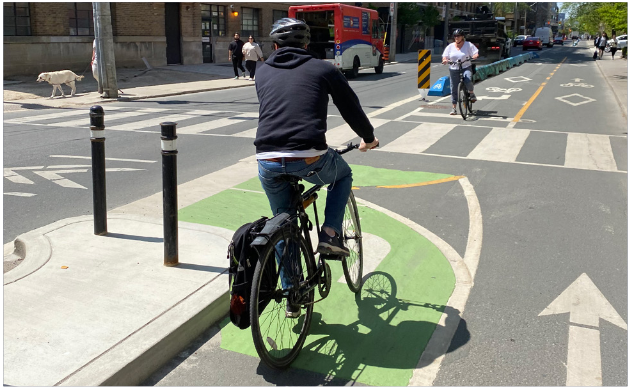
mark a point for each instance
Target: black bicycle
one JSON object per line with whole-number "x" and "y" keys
{"x": 463, "y": 96}
{"x": 287, "y": 274}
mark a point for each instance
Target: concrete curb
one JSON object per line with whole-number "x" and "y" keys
{"x": 134, "y": 357}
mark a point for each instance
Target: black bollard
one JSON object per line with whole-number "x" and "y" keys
{"x": 169, "y": 193}
{"x": 97, "y": 139}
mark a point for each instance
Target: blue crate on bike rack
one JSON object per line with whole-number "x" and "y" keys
{"x": 442, "y": 87}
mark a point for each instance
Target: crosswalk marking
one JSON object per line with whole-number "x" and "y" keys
{"x": 153, "y": 122}
{"x": 85, "y": 122}
{"x": 63, "y": 114}
{"x": 589, "y": 151}
{"x": 251, "y": 133}
{"x": 341, "y": 134}
{"x": 419, "y": 139}
{"x": 500, "y": 144}
{"x": 217, "y": 123}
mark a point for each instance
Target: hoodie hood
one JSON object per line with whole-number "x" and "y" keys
{"x": 288, "y": 57}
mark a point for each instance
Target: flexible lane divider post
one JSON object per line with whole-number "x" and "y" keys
{"x": 97, "y": 140}
{"x": 169, "y": 193}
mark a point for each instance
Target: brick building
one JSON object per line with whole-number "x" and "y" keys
{"x": 48, "y": 36}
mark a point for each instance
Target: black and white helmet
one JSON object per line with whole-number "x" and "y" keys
{"x": 290, "y": 32}
{"x": 459, "y": 31}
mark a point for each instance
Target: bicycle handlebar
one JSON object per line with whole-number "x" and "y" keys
{"x": 350, "y": 147}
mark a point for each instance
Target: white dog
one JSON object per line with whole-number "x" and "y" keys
{"x": 60, "y": 77}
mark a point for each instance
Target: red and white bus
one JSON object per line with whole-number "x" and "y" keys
{"x": 350, "y": 37}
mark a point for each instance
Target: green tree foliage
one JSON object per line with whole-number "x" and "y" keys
{"x": 408, "y": 14}
{"x": 429, "y": 17}
{"x": 598, "y": 17}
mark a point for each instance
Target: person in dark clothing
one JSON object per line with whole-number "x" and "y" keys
{"x": 235, "y": 50}
{"x": 293, "y": 88}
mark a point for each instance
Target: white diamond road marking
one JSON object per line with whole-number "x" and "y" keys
{"x": 517, "y": 79}
{"x": 586, "y": 99}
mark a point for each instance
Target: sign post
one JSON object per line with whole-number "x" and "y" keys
{"x": 424, "y": 73}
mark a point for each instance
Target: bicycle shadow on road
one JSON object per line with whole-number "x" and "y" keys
{"x": 374, "y": 349}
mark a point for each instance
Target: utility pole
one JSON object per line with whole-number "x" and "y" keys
{"x": 446, "y": 12}
{"x": 392, "y": 37}
{"x": 105, "y": 60}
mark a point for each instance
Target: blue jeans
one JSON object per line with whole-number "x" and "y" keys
{"x": 455, "y": 82}
{"x": 331, "y": 169}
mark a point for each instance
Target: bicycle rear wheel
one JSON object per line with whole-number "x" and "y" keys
{"x": 352, "y": 239}
{"x": 463, "y": 101}
{"x": 278, "y": 339}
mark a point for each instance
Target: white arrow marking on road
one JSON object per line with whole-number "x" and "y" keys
{"x": 106, "y": 158}
{"x": 22, "y": 194}
{"x": 55, "y": 178}
{"x": 586, "y": 305}
{"x": 17, "y": 178}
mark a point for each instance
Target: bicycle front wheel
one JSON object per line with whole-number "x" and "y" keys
{"x": 284, "y": 264}
{"x": 462, "y": 95}
{"x": 352, "y": 239}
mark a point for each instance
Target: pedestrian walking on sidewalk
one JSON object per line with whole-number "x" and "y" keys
{"x": 94, "y": 61}
{"x": 601, "y": 44}
{"x": 252, "y": 53}
{"x": 235, "y": 50}
{"x": 613, "y": 45}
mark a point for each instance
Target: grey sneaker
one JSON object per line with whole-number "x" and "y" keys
{"x": 473, "y": 98}
{"x": 453, "y": 112}
{"x": 331, "y": 245}
{"x": 235, "y": 77}
{"x": 292, "y": 311}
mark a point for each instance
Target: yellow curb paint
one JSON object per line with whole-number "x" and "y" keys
{"x": 356, "y": 188}
{"x": 520, "y": 114}
{"x": 426, "y": 183}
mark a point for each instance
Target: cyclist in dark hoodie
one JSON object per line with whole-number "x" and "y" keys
{"x": 293, "y": 88}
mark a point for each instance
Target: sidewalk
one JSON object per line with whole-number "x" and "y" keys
{"x": 615, "y": 73}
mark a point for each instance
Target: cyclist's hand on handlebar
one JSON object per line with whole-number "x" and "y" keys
{"x": 474, "y": 57}
{"x": 364, "y": 147}
{"x": 444, "y": 61}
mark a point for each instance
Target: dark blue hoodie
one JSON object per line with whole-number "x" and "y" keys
{"x": 293, "y": 88}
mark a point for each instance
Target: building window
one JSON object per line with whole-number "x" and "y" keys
{"x": 277, "y": 14}
{"x": 249, "y": 24}
{"x": 17, "y": 19}
{"x": 213, "y": 18}
{"x": 81, "y": 18}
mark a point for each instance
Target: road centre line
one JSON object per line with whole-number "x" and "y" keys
{"x": 520, "y": 114}
{"x": 424, "y": 183}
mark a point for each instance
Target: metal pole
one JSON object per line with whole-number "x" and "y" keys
{"x": 97, "y": 139}
{"x": 393, "y": 37}
{"x": 169, "y": 193}
{"x": 104, "y": 36}
{"x": 446, "y": 12}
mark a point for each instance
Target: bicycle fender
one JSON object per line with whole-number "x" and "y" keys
{"x": 273, "y": 225}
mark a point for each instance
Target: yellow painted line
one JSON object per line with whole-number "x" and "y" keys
{"x": 425, "y": 183}
{"x": 520, "y": 114}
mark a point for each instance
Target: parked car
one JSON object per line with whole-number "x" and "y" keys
{"x": 532, "y": 43}
{"x": 558, "y": 40}
{"x": 545, "y": 35}
{"x": 519, "y": 39}
{"x": 622, "y": 41}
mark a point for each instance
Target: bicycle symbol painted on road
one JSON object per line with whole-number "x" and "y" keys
{"x": 583, "y": 85}
{"x": 504, "y": 90}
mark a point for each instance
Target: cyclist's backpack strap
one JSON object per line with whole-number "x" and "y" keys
{"x": 243, "y": 259}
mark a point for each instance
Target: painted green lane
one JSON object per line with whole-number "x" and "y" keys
{"x": 375, "y": 337}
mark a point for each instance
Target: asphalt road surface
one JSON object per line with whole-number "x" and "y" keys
{"x": 552, "y": 191}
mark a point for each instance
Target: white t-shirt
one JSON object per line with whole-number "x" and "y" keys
{"x": 94, "y": 55}
{"x": 467, "y": 50}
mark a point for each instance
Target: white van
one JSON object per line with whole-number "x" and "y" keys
{"x": 545, "y": 35}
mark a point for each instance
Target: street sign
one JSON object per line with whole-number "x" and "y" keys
{"x": 391, "y": 9}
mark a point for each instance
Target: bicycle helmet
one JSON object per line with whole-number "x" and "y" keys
{"x": 290, "y": 32}
{"x": 458, "y": 31}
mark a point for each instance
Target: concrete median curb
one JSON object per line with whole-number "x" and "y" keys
{"x": 87, "y": 310}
